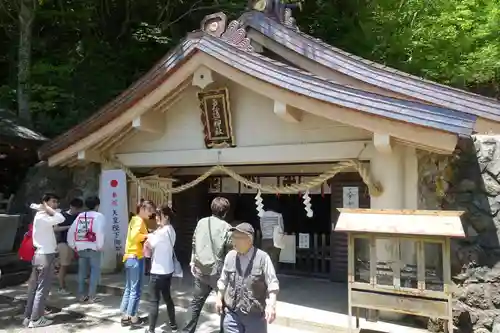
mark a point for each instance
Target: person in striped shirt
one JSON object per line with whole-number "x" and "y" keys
{"x": 271, "y": 219}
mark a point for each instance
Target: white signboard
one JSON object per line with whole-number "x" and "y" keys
{"x": 248, "y": 190}
{"x": 288, "y": 253}
{"x": 229, "y": 185}
{"x": 350, "y": 197}
{"x": 114, "y": 207}
{"x": 303, "y": 241}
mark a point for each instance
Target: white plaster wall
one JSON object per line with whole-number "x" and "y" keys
{"x": 398, "y": 173}
{"x": 254, "y": 124}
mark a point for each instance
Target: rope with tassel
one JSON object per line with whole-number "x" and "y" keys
{"x": 375, "y": 189}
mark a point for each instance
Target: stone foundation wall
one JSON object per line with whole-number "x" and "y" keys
{"x": 67, "y": 183}
{"x": 469, "y": 181}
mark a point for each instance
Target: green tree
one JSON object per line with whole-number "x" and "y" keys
{"x": 84, "y": 53}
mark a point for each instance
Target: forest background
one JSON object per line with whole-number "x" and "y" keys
{"x": 60, "y": 60}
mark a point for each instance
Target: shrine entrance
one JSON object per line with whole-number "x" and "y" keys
{"x": 312, "y": 249}
{"x": 219, "y": 107}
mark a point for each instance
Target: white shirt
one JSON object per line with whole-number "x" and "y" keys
{"x": 268, "y": 222}
{"x": 162, "y": 243}
{"x": 84, "y": 222}
{"x": 44, "y": 238}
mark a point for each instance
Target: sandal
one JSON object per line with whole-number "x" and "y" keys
{"x": 140, "y": 321}
{"x": 125, "y": 322}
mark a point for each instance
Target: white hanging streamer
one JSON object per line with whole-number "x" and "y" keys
{"x": 307, "y": 204}
{"x": 259, "y": 204}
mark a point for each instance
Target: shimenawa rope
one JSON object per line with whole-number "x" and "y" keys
{"x": 375, "y": 188}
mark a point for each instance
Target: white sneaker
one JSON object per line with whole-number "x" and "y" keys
{"x": 26, "y": 322}
{"x": 41, "y": 322}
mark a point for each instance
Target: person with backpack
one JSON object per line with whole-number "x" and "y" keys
{"x": 211, "y": 242}
{"x": 86, "y": 236}
{"x": 163, "y": 260}
{"x": 44, "y": 241}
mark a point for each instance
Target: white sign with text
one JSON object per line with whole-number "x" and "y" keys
{"x": 350, "y": 197}
{"x": 303, "y": 241}
{"x": 114, "y": 207}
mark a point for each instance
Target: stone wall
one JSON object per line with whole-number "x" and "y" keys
{"x": 65, "y": 182}
{"x": 470, "y": 181}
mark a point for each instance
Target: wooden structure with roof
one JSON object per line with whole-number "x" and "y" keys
{"x": 414, "y": 282}
{"x": 292, "y": 106}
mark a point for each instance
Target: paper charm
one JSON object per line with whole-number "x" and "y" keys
{"x": 307, "y": 204}
{"x": 258, "y": 203}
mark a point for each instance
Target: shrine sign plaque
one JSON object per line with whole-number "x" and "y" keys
{"x": 216, "y": 118}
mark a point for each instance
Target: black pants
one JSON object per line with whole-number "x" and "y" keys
{"x": 160, "y": 285}
{"x": 202, "y": 288}
{"x": 273, "y": 252}
{"x": 147, "y": 266}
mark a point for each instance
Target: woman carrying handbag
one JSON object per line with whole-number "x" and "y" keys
{"x": 164, "y": 266}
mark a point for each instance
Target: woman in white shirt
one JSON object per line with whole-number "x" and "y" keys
{"x": 161, "y": 243}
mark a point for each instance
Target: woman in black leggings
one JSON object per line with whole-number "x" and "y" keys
{"x": 161, "y": 242}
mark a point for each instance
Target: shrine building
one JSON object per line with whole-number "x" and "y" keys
{"x": 259, "y": 99}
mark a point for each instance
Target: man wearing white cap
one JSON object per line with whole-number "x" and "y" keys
{"x": 248, "y": 286}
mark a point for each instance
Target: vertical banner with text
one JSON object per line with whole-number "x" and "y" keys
{"x": 114, "y": 207}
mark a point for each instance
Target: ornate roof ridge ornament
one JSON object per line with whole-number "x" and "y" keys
{"x": 236, "y": 35}
{"x": 278, "y": 9}
{"x": 290, "y": 21}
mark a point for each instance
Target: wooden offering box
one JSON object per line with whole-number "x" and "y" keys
{"x": 399, "y": 261}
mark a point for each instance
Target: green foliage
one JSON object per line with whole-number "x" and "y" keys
{"x": 455, "y": 42}
{"x": 87, "y": 52}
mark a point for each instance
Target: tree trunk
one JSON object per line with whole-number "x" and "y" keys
{"x": 26, "y": 18}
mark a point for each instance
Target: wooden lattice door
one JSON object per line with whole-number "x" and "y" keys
{"x": 136, "y": 193}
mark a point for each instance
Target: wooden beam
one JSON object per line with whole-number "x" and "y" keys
{"x": 279, "y": 154}
{"x": 382, "y": 143}
{"x": 287, "y": 113}
{"x": 89, "y": 156}
{"x": 173, "y": 97}
{"x": 486, "y": 126}
{"x": 202, "y": 77}
{"x": 117, "y": 139}
{"x": 150, "y": 122}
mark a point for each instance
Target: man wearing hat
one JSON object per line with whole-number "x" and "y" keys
{"x": 248, "y": 286}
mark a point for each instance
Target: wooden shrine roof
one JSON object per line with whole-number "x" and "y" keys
{"x": 369, "y": 71}
{"x": 276, "y": 73}
{"x": 402, "y": 222}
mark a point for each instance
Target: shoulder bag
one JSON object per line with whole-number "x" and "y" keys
{"x": 178, "y": 272}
